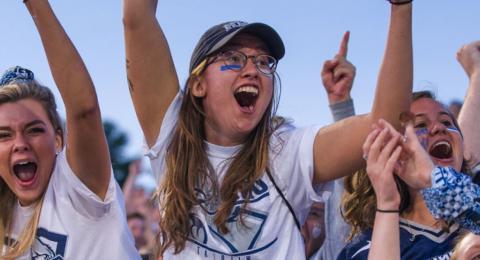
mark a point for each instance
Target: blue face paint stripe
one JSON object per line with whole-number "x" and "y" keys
{"x": 421, "y": 136}
{"x": 422, "y": 131}
{"x": 230, "y": 67}
{"x": 453, "y": 129}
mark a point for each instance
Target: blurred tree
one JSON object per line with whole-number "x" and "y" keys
{"x": 117, "y": 142}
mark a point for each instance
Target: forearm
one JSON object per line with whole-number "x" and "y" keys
{"x": 68, "y": 69}
{"x": 469, "y": 120}
{"x": 385, "y": 237}
{"x": 395, "y": 80}
{"x": 138, "y": 12}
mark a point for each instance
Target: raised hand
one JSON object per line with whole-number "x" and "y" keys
{"x": 381, "y": 151}
{"x": 469, "y": 57}
{"x": 414, "y": 165}
{"x": 338, "y": 74}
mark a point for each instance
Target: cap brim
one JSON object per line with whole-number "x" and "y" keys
{"x": 266, "y": 33}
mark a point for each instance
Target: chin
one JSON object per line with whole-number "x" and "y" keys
{"x": 29, "y": 197}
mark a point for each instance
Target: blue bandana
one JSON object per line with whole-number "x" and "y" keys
{"x": 16, "y": 74}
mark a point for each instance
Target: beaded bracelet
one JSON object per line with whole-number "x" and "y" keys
{"x": 399, "y": 2}
{"x": 388, "y": 210}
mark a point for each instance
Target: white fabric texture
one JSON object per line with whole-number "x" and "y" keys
{"x": 75, "y": 223}
{"x": 271, "y": 232}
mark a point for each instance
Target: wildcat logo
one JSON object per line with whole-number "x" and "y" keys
{"x": 48, "y": 245}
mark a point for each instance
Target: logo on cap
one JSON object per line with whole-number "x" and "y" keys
{"x": 232, "y": 25}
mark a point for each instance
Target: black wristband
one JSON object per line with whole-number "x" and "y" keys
{"x": 399, "y": 2}
{"x": 388, "y": 210}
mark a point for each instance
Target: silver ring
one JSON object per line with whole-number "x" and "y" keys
{"x": 365, "y": 157}
{"x": 404, "y": 139}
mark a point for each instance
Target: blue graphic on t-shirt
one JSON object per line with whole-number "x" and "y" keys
{"x": 241, "y": 241}
{"x": 48, "y": 245}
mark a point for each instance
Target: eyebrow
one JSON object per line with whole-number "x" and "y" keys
{"x": 35, "y": 122}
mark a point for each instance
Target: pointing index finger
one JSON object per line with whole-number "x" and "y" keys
{"x": 342, "y": 52}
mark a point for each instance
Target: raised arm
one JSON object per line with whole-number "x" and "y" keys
{"x": 152, "y": 78}
{"x": 394, "y": 87}
{"x": 469, "y": 118}
{"x": 86, "y": 147}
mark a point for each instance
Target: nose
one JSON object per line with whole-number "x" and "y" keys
{"x": 21, "y": 144}
{"x": 437, "y": 128}
{"x": 250, "y": 69}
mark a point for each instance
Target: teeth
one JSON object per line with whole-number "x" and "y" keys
{"x": 442, "y": 143}
{"x": 22, "y": 163}
{"x": 248, "y": 89}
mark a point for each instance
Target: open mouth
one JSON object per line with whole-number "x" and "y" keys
{"x": 25, "y": 171}
{"x": 246, "y": 96}
{"x": 441, "y": 150}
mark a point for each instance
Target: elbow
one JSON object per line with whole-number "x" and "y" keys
{"x": 130, "y": 22}
{"x": 87, "y": 112}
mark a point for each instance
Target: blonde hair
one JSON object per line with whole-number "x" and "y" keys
{"x": 13, "y": 92}
{"x": 459, "y": 240}
{"x": 188, "y": 167}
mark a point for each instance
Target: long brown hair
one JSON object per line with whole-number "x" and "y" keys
{"x": 188, "y": 168}
{"x": 13, "y": 92}
{"x": 359, "y": 200}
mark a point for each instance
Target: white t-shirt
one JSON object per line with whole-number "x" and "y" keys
{"x": 75, "y": 223}
{"x": 271, "y": 232}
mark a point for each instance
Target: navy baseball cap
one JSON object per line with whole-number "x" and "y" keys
{"x": 219, "y": 35}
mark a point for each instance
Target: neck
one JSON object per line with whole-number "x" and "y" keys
{"x": 217, "y": 137}
{"x": 419, "y": 212}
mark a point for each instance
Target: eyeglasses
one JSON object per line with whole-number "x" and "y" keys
{"x": 236, "y": 60}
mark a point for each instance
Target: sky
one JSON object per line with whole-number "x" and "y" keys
{"x": 310, "y": 29}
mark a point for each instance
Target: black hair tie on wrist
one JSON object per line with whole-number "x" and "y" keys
{"x": 399, "y": 2}
{"x": 388, "y": 210}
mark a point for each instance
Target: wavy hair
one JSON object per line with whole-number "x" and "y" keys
{"x": 9, "y": 93}
{"x": 188, "y": 167}
{"x": 359, "y": 200}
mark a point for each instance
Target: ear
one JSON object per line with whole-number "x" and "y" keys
{"x": 58, "y": 141}
{"x": 198, "y": 88}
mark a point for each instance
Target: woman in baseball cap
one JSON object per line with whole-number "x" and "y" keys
{"x": 234, "y": 179}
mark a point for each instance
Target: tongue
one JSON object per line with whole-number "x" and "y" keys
{"x": 26, "y": 173}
